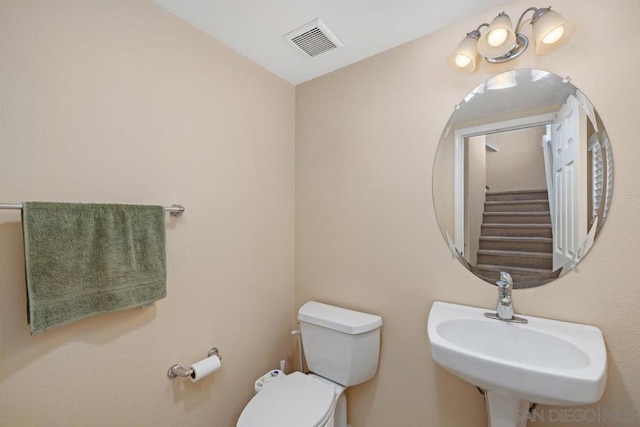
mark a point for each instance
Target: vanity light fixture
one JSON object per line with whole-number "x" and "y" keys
{"x": 501, "y": 43}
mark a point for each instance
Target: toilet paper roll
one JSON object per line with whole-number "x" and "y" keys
{"x": 205, "y": 367}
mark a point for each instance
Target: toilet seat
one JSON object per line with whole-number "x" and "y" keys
{"x": 296, "y": 400}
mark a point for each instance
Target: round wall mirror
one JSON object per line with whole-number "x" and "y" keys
{"x": 523, "y": 178}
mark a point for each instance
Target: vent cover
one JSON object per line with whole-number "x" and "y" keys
{"x": 314, "y": 38}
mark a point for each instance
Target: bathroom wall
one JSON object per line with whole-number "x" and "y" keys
{"x": 120, "y": 101}
{"x": 475, "y": 166}
{"x": 519, "y": 162}
{"x": 367, "y": 235}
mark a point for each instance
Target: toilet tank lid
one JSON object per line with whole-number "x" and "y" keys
{"x": 338, "y": 318}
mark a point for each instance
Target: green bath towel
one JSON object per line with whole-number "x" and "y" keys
{"x": 87, "y": 259}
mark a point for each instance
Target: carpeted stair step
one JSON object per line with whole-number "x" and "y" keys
{"x": 516, "y": 230}
{"x": 537, "y": 260}
{"x": 520, "y": 244}
{"x": 492, "y": 196}
{"x": 516, "y": 217}
{"x": 540, "y": 205}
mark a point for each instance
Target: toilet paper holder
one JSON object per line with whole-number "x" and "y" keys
{"x": 180, "y": 371}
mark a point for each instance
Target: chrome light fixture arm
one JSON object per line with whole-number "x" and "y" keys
{"x": 520, "y": 46}
{"x": 476, "y": 34}
{"x": 519, "y": 24}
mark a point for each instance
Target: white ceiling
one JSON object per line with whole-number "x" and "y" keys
{"x": 254, "y": 28}
{"x": 513, "y": 92}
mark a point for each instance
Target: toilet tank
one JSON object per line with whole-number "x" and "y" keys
{"x": 339, "y": 344}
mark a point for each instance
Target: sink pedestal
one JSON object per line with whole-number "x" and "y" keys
{"x": 506, "y": 411}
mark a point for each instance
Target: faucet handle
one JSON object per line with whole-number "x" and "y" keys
{"x": 504, "y": 286}
{"x": 504, "y": 292}
{"x": 506, "y": 277}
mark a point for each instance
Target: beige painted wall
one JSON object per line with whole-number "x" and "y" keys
{"x": 475, "y": 154}
{"x": 99, "y": 100}
{"x": 519, "y": 162}
{"x": 119, "y": 101}
{"x": 443, "y": 175}
{"x": 366, "y": 232}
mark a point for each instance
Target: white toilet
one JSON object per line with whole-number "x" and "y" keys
{"x": 342, "y": 348}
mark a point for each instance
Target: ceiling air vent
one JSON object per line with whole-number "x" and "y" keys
{"x": 314, "y": 38}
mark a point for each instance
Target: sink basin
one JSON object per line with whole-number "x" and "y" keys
{"x": 544, "y": 361}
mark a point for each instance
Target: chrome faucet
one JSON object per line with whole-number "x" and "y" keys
{"x": 505, "y": 302}
{"x": 504, "y": 308}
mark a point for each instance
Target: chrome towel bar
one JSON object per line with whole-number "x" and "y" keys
{"x": 175, "y": 210}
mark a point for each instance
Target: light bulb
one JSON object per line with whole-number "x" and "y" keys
{"x": 462, "y": 61}
{"x": 550, "y": 30}
{"x": 497, "y": 37}
{"x": 554, "y": 35}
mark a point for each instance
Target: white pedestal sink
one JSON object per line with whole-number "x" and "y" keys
{"x": 544, "y": 361}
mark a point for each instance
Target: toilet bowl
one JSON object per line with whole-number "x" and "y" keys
{"x": 297, "y": 400}
{"x": 342, "y": 349}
